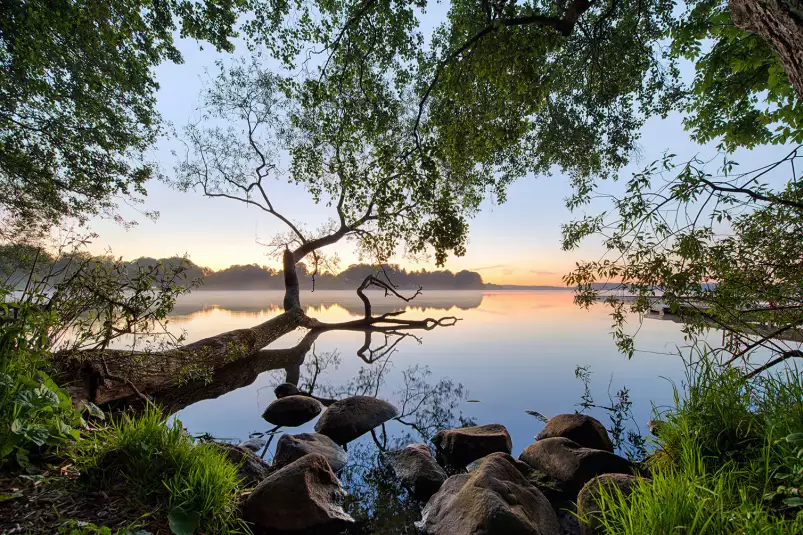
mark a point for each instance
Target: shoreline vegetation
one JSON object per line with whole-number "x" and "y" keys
{"x": 726, "y": 458}
{"x": 390, "y": 126}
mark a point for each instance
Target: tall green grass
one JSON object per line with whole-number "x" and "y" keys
{"x": 728, "y": 462}
{"x": 161, "y": 464}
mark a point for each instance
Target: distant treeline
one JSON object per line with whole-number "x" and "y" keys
{"x": 254, "y": 277}
{"x": 16, "y": 263}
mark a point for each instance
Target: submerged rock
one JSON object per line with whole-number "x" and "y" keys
{"x": 303, "y": 497}
{"x": 292, "y": 411}
{"x": 568, "y": 466}
{"x": 459, "y": 447}
{"x": 495, "y": 499}
{"x": 352, "y": 417}
{"x": 585, "y": 430}
{"x": 254, "y": 444}
{"x": 293, "y": 447}
{"x": 417, "y": 470}
{"x": 588, "y": 499}
{"x": 252, "y": 468}
{"x": 286, "y": 389}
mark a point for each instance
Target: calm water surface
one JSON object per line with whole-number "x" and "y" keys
{"x": 510, "y": 352}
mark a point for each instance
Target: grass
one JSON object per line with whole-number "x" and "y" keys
{"x": 729, "y": 461}
{"x": 164, "y": 466}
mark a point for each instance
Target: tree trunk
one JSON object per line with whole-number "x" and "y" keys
{"x": 780, "y": 24}
{"x": 292, "y": 297}
{"x": 87, "y": 376}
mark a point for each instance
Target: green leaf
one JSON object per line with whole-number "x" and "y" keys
{"x": 795, "y": 438}
{"x": 794, "y": 501}
{"x": 92, "y": 409}
{"x": 183, "y": 522}
{"x": 12, "y": 496}
{"x": 17, "y": 427}
{"x": 37, "y": 399}
{"x": 6, "y": 380}
{"x": 38, "y": 434}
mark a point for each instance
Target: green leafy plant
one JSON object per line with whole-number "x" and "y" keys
{"x": 790, "y": 474}
{"x": 34, "y": 411}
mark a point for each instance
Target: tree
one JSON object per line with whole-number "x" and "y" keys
{"x": 780, "y": 24}
{"x": 740, "y": 95}
{"x": 77, "y": 99}
{"x": 718, "y": 248}
{"x": 349, "y": 156}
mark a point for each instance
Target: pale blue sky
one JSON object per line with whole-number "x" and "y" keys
{"x": 514, "y": 243}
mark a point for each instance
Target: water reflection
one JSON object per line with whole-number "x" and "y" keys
{"x": 324, "y": 305}
{"x": 511, "y": 351}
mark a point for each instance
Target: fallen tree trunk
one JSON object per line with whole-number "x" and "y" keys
{"x": 110, "y": 375}
{"x": 107, "y": 376}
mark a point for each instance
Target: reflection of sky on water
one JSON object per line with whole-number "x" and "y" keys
{"x": 512, "y": 351}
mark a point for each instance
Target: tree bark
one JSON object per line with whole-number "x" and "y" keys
{"x": 780, "y": 24}
{"x": 292, "y": 292}
{"x": 157, "y": 371}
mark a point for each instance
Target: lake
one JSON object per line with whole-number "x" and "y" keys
{"x": 510, "y": 352}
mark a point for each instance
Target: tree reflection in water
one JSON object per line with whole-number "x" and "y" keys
{"x": 426, "y": 405}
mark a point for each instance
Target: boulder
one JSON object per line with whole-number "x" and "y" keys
{"x": 495, "y": 499}
{"x": 588, "y": 504}
{"x": 292, "y": 411}
{"x": 285, "y": 389}
{"x": 252, "y": 468}
{"x": 585, "y": 430}
{"x": 567, "y": 466}
{"x": 416, "y": 469}
{"x": 352, "y": 417}
{"x": 459, "y": 447}
{"x": 254, "y": 444}
{"x": 303, "y": 497}
{"x": 523, "y": 467}
{"x": 290, "y": 448}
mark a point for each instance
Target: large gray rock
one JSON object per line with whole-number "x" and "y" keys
{"x": 293, "y": 447}
{"x": 459, "y": 447}
{"x": 303, "y": 497}
{"x": 292, "y": 411}
{"x": 495, "y": 499}
{"x": 252, "y": 469}
{"x": 567, "y": 466}
{"x": 588, "y": 500}
{"x": 352, "y": 417}
{"x": 417, "y": 470}
{"x": 585, "y": 430}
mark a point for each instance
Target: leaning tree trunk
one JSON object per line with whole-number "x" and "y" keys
{"x": 107, "y": 376}
{"x": 292, "y": 288}
{"x": 780, "y": 24}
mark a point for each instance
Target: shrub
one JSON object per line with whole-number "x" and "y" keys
{"x": 34, "y": 411}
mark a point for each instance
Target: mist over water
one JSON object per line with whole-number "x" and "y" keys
{"x": 511, "y": 351}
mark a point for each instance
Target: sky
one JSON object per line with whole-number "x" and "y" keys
{"x": 517, "y": 242}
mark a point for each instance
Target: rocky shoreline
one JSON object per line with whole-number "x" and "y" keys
{"x": 466, "y": 480}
